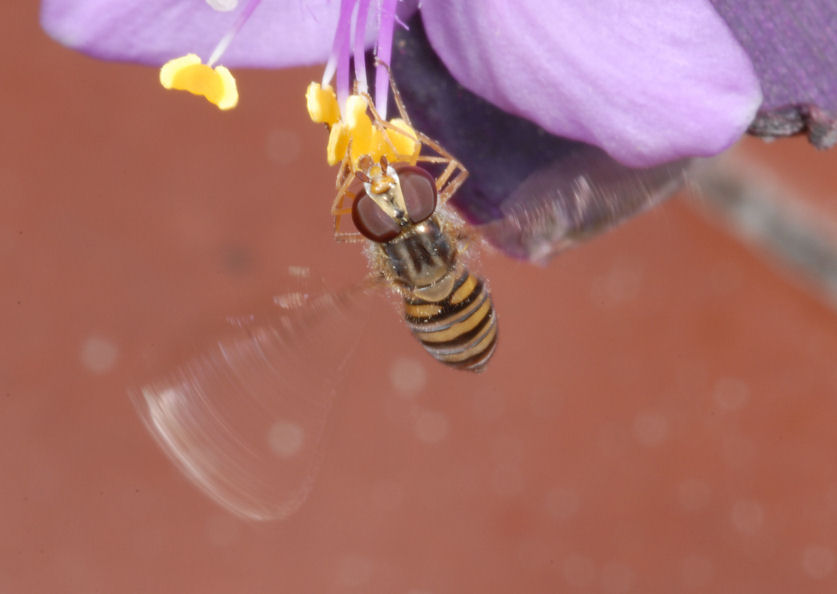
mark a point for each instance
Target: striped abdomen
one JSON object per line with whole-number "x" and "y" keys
{"x": 460, "y": 329}
{"x": 448, "y": 309}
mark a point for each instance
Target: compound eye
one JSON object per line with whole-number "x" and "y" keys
{"x": 419, "y": 189}
{"x": 372, "y": 222}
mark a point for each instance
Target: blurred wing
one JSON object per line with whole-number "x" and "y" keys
{"x": 245, "y": 420}
{"x": 530, "y": 193}
{"x": 575, "y": 198}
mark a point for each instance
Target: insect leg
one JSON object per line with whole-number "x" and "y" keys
{"x": 399, "y": 103}
{"x": 339, "y": 210}
{"x": 454, "y": 174}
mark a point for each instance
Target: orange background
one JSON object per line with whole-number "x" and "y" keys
{"x": 659, "y": 416}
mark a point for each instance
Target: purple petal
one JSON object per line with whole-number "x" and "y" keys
{"x": 793, "y": 46}
{"x": 533, "y": 193}
{"x": 281, "y": 33}
{"x": 647, "y": 81}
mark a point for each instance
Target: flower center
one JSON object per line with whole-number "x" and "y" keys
{"x": 357, "y": 125}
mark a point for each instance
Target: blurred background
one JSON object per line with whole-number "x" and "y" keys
{"x": 658, "y": 416}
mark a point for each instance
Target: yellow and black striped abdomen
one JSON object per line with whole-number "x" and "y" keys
{"x": 460, "y": 329}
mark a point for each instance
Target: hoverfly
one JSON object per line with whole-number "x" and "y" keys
{"x": 244, "y": 420}
{"x": 415, "y": 245}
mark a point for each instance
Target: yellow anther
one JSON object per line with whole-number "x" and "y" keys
{"x": 356, "y": 133}
{"x": 363, "y": 135}
{"x": 356, "y": 117}
{"x": 338, "y": 143}
{"x": 188, "y": 74}
{"x": 406, "y": 145}
{"x": 322, "y": 104}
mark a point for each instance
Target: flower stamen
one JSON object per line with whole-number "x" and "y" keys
{"x": 226, "y": 40}
{"x": 215, "y": 83}
{"x": 359, "y": 44}
{"x": 384, "y": 53}
{"x": 338, "y": 60}
{"x": 358, "y": 127}
{"x": 188, "y": 74}
{"x": 360, "y": 131}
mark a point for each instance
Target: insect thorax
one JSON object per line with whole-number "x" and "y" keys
{"x": 422, "y": 260}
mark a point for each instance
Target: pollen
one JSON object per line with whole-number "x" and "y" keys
{"x": 322, "y": 104}
{"x": 362, "y": 136}
{"x": 356, "y": 134}
{"x": 187, "y": 73}
{"x": 405, "y": 143}
{"x": 338, "y": 143}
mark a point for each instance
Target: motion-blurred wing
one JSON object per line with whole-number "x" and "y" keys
{"x": 245, "y": 420}
{"x": 575, "y": 198}
{"x": 531, "y": 193}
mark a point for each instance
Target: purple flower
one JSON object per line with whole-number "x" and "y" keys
{"x": 647, "y": 81}
{"x": 793, "y": 46}
{"x": 505, "y": 86}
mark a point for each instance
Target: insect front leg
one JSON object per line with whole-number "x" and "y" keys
{"x": 399, "y": 103}
{"x": 454, "y": 173}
